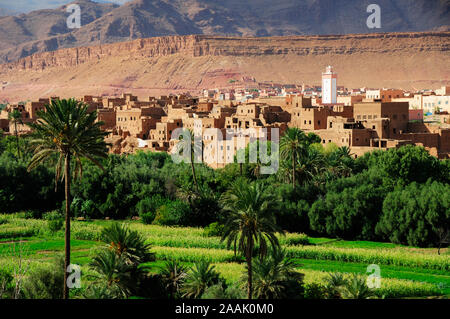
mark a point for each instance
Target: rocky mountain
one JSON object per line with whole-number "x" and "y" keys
{"x": 46, "y": 30}
{"x": 161, "y": 65}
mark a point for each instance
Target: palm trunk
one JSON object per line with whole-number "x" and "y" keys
{"x": 293, "y": 170}
{"x": 67, "y": 231}
{"x": 248, "y": 258}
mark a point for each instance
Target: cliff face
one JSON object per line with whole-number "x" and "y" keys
{"x": 190, "y": 63}
{"x": 46, "y": 30}
{"x": 200, "y": 45}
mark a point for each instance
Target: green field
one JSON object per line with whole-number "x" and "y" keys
{"x": 405, "y": 271}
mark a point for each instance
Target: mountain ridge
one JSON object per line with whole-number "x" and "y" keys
{"x": 162, "y": 65}
{"x": 107, "y": 23}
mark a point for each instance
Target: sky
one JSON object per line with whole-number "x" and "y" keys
{"x": 22, "y": 6}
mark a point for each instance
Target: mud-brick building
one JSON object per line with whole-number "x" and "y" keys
{"x": 397, "y": 113}
{"x": 138, "y": 122}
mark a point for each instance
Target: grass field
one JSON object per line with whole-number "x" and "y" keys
{"x": 405, "y": 271}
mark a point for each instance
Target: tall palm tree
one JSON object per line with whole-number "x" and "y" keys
{"x": 292, "y": 146}
{"x": 68, "y": 130}
{"x": 250, "y": 222}
{"x": 16, "y": 117}
{"x": 194, "y": 147}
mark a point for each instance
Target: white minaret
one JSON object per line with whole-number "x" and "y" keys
{"x": 329, "y": 79}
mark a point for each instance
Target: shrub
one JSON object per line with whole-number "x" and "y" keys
{"x": 146, "y": 208}
{"x": 147, "y": 218}
{"x": 55, "y": 225}
{"x": 33, "y": 214}
{"x": 315, "y": 291}
{"x": 201, "y": 276}
{"x": 220, "y": 292}
{"x": 174, "y": 213}
{"x": 301, "y": 240}
{"x": 55, "y": 221}
{"x": 6, "y": 284}
{"x": 45, "y": 282}
{"x": 213, "y": 229}
{"x": 414, "y": 214}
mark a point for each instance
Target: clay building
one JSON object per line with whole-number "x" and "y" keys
{"x": 396, "y": 112}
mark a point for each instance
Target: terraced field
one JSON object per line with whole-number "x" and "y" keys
{"x": 405, "y": 271}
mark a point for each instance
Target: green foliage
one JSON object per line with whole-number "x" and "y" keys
{"x": 6, "y": 284}
{"x": 356, "y": 288}
{"x": 128, "y": 243}
{"x": 349, "y": 212}
{"x": 220, "y": 292}
{"x": 315, "y": 291}
{"x": 173, "y": 276}
{"x": 173, "y": 213}
{"x": 55, "y": 221}
{"x": 213, "y": 229}
{"x": 275, "y": 277}
{"x": 114, "y": 272}
{"x": 146, "y": 208}
{"x": 302, "y": 240}
{"x": 45, "y": 282}
{"x": 118, "y": 264}
{"x": 413, "y": 215}
{"x": 199, "y": 278}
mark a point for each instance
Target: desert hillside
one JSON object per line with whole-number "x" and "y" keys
{"x": 189, "y": 63}
{"x": 46, "y": 30}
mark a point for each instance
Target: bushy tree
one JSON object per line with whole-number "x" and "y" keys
{"x": 351, "y": 208}
{"x": 413, "y": 215}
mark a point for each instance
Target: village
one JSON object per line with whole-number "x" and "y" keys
{"x": 361, "y": 119}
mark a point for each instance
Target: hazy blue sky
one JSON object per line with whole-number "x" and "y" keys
{"x": 30, "y": 5}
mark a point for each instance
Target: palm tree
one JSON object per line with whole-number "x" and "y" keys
{"x": 276, "y": 277}
{"x": 250, "y": 222}
{"x": 113, "y": 271}
{"x": 292, "y": 146}
{"x": 70, "y": 131}
{"x": 129, "y": 243}
{"x": 201, "y": 276}
{"x": 340, "y": 161}
{"x": 334, "y": 284}
{"x": 356, "y": 288}
{"x": 16, "y": 117}
{"x": 173, "y": 275}
{"x": 193, "y": 147}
